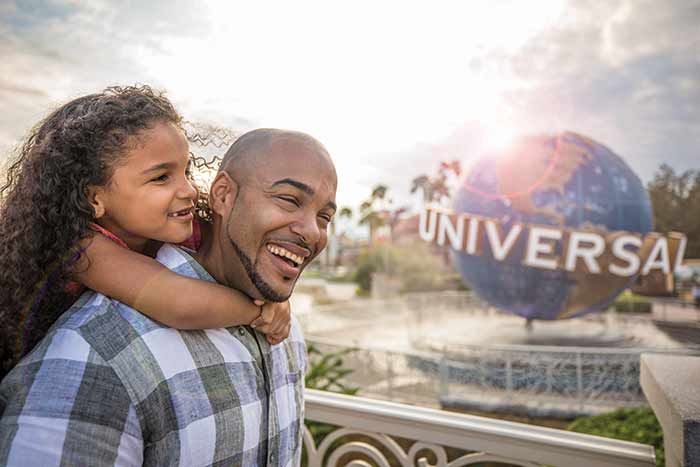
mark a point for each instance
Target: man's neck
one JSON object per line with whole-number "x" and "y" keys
{"x": 209, "y": 255}
{"x": 217, "y": 262}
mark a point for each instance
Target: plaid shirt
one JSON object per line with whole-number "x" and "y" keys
{"x": 109, "y": 386}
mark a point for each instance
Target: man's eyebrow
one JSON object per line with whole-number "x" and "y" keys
{"x": 163, "y": 165}
{"x": 296, "y": 184}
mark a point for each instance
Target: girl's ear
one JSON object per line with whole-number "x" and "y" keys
{"x": 96, "y": 197}
{"x": 223, "y": 193}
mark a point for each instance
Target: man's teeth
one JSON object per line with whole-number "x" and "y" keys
{"x": 279, "y": 251}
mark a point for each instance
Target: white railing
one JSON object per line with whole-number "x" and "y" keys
{"x": 368, "y": 430}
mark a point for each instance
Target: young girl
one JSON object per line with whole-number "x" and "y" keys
{"x": 96, "y": 188}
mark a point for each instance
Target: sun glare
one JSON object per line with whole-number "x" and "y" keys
{"x": 499, "y": 138}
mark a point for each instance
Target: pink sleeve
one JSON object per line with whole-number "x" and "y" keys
{"x": 108, "y": 234}
{"x": 193, "y": 243}
{"x": 74, "y": 288}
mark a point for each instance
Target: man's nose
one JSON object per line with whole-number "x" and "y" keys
{"x": 306, "y": 227}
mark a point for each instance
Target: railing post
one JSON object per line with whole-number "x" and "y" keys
{"x": 579, "y": 379}
{"x": 390, "y": 375}
{"x": 444, "y": 376}
{"x": 509, "y": 377}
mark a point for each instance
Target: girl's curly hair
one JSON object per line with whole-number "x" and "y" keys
{"x": 44, "y": 207}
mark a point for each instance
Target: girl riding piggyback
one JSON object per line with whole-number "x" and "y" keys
{"x": 96, "y": 188}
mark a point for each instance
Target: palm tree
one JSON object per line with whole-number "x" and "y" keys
{"x": 370, "y": 215}
{"x": 371, "y": 218}
{"x": 435, "y": 189}
{"x": 345, "y": 212}
{"x": 423, "y": 183}
{"x": 394, "y": 218}
{"x": 379, "y": 192}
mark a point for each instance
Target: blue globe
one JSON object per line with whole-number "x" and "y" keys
{"x": 568, "y": 181}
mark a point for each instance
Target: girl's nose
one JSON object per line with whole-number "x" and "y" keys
{"x": 188, "y": 190}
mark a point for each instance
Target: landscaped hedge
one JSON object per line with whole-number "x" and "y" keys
{"x": 415, "y": 265}
{"x": 628, "y": 302}
{"x": 639, "y": 425}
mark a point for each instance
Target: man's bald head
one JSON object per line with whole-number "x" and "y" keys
{"x": 272, "y": 202}
{"x": 254, "y": 147}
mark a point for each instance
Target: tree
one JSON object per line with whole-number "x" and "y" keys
{"x": 675, "y": 200}
{"x": 345, "y": 212}
{"x": 436, "y": 189}
{"x": 393, "y": 218}
{"x": 370, "y": 212}
{"x": 423, "y": 183}
{"x": 344, "y": 216}
{"x": 379, "y": 192}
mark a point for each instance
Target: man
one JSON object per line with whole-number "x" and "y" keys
{"x": 108, "y": 386}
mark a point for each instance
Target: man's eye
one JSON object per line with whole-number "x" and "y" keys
{"x": 290, "y": 200}
{"x": 160, "y": 178}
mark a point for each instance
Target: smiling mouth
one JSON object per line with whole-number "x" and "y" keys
{"x": 182, "y": 213}
{"x": 289, "y": 257}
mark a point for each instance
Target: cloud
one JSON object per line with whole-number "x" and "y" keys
{"x": 626, "y": 76}
{"x": 388, "y": 102}
{"x": 55, "y": 50}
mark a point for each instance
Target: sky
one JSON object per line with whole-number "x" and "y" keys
{"x": 390, "y": 88}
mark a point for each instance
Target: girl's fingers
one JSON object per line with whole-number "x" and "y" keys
{"x": 257, "y": 322}
{"x": 283, "y": 333}
{"x": 266, "y": 317}
{"x": 273, "y": 340}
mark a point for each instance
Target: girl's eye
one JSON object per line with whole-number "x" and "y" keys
{"x": 161, "y": 178}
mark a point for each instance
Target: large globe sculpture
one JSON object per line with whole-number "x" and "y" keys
{"x": 568, "y": 181}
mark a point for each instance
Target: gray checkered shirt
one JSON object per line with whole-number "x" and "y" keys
{"x": 108, "y": 386}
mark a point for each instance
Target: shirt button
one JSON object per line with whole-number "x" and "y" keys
{"x": 272, "y": 458}
{"x": 241, "y": 331}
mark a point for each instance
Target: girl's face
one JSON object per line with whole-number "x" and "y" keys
{"x": 149, "y": 196}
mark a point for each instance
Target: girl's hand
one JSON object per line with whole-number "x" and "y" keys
{"x": 274, "y": 321}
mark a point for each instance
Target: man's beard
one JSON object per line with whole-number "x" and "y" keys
{"x": 265, "y": 289}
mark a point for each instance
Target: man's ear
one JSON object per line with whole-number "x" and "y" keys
{"x": 223, "y": 193}
{"x": 96, "y": 198}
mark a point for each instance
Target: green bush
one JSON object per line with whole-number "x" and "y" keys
{"x": 628, "y": 302}
{"x": 326, "y": 371}
{"x": 369, "y": 262}
{"x": 639, "y": 425}
{"x": 418, "y": 268}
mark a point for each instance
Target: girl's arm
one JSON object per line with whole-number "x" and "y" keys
{"x": 174, "y": 300}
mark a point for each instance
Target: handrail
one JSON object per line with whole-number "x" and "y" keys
{"x": 527, "y": 443}
{"x": 513, "y": 348}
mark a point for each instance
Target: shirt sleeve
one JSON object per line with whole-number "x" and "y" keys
{"x": 65, "y": 406}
